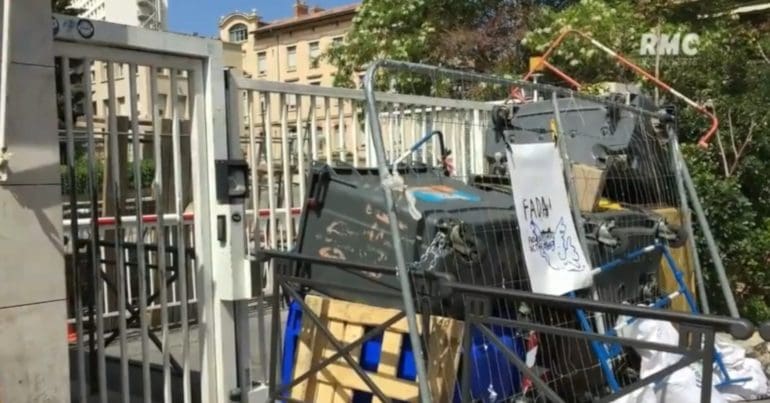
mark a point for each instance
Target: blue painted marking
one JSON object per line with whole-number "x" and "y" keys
{"x": 440, "y": 194}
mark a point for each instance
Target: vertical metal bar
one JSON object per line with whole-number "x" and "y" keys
{"x": 275, "y": 335}
{"x": 391, "y": 134}
{"x": 464, "y": 129}
{"x": 341, "y": 150}
{"x": 286, "y": 169}
{"x": 712, "y": 245}
{"x": 268, "y": 124}
{"x": 476, "y": 139}
{"x": 424, "y": 131}
{"x": 160, "y": 232}
{"x": 432, "y": 125}
{"x": 684, "y": 210}
{"x": 403, "y": 276}
{"x": 242, "y": 347}
{"x": 465, "y": 389}
{"x": 181, "y": 261}
{"x": 401, "y": 147}
{"x": 579, "y": 226}
{"x": 118, "y": 200}
{"x": 709, "y": 352}
{"x": 101, "y": 365}
{"x": 356, "y": 132}
{"x": 253, "y": 233}
{"x": 140, "y": 264}
{"x": 313, "y": 129}
{"x": 328, "y": 130}
{"x": 300, "y": 141}
{"x": 412, "y": 135}
{"x": 5, "y": 64}
{"x": 454, "y": 123}
{"x": 370, "y": 154}
{"x": 74, "y": 229}
{"x": 445, "y": 117}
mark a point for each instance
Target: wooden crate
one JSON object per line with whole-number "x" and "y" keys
{"x": 347, "y": 322}
{"x": 589, "y": 185}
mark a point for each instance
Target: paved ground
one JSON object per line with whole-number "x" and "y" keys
{"x": 134, "y": 353}
{"x": 175, "y": 337}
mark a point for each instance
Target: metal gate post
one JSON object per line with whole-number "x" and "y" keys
{"x": 221, "y": 230}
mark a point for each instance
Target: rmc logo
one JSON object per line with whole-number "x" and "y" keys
{"x": 669, "y": 45}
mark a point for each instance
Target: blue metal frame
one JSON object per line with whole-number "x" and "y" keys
{"x": 606, "y": 353}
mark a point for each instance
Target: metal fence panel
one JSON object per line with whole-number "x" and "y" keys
{"x": 127, "y": 187}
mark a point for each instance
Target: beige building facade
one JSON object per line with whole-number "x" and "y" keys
{"x": 291, "y": 49}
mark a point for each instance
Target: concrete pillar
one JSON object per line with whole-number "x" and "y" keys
{"x": 33, "y": 342}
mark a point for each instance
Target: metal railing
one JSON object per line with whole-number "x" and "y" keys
{"x": 305, "y": 123}
{"x": 696, "y": 342}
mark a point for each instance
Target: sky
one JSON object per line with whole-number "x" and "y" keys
{"x": 202, "y": 16}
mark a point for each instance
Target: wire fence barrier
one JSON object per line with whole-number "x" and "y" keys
{"x": 464, "y": 220}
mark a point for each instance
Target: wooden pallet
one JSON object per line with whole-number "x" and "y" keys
{"x": 347, "y": 322}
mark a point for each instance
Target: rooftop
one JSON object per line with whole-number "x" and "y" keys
{"x": 307, "y": 15}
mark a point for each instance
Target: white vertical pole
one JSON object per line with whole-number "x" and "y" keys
{"x": 5, "y": 64}
{"x": 313, "y": 129}
{"x": 286, "y": 170}
{"x": 216, "y": 259}
{"x": 140, "y": 262}
{"x": 118, "y": 200}
{"x": 160, "y": 211}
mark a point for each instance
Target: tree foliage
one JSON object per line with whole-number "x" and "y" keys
{"x": 729, "y": 74}
{"x": 471, "y": 34}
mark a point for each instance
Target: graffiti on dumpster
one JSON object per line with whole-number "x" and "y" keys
{"x": 441, "y": 193}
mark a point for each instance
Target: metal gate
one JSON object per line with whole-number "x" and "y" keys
{"x": 141, "y": 125}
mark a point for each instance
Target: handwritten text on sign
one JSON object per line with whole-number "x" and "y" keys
{"x": 555, "y": 260}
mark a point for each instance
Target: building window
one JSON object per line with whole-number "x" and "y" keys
{"x": 162, "y": 102}
{"x": 182, "y": 106}
{"x": 315, "y": 54}
{"x": 122, "y": 106}
{"x": 318, "y": 103}
{"x": 261, "y": 63}
{"x": 238, "y": 33}
{"x": 291, "y": 58}
{"x": 337, "y": 41}
{"x": 291, "y": 99}
{"x": 118, "y": 70}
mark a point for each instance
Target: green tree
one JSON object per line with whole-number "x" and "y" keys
{"x": 481, "y": 35}
{"x": 729, "y": 73}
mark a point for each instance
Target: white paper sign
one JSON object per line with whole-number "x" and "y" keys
{"x": 555, "y": 260}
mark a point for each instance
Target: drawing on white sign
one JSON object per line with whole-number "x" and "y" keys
{"x": 555, "y": 260}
